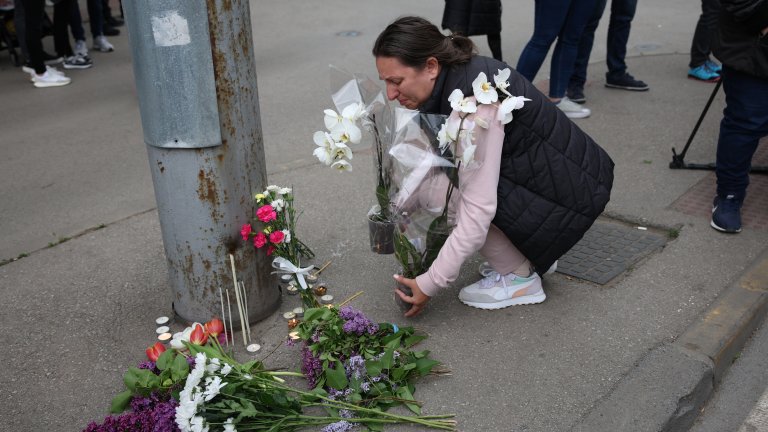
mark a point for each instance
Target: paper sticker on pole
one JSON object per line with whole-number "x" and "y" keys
{"x": 170, "y": 29}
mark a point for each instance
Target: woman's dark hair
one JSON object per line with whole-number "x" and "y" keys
{"x": 412, "y": 40}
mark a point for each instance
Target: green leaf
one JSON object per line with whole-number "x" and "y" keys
{"x": 317, "y": 314}
{"x": 131, "y": 377}
{"x": 336, "y": 377}
{"x": 165, "y": 360}
{"x": 120, "y": 402}
{"x": 179, "y": 368}
{"x": 425, "y": 365}
{"x": 413, "y": 340}
{"x": 373, "y": 367}
{"x": 388, "y": 358}
{"x": 405, "y": 393}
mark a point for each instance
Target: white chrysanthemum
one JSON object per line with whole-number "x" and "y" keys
{"x": 229, "y": 425}
{"x": 284, "y": 191}
{"x": 501, "y": 81}
{"x": 342, "y": 165}
{"x": 213, "y": 365}
{"x": 213, "y": 386}
{"x": 460, "y": 103}
{"x": 227, "y": 367}
{"x": 485, "y": 93}
{"x": 198, "y": 424}
{"x": 278, "y": 204}
{"x": 273, "y": 188}
{"x": 287, "y": 234}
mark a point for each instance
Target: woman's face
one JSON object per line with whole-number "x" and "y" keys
{"x": 410, "y": 86}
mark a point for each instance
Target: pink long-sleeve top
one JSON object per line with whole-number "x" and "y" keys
{"x": 476, "y": 206}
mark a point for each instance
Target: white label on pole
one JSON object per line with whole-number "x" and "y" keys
{"x": 170, "y": 29}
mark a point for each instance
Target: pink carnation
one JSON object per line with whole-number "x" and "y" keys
{"x": 270, "y": 249}
{"x": 245, "y": 231}
{"x": 277, "y": 237}
{"x": 259, "y": 240}
{"x": 266, "y": 213}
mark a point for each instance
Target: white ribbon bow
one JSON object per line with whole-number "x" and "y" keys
{"x": 284, "y": 266}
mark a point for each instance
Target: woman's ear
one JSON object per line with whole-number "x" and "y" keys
{"x": 432, "y": 67}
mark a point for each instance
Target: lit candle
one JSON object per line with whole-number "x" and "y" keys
{"x": 294, "y": 335}
{"x": 289, "y": 315}
{"x": 299, "y": 312}
{"x": 161, "y": 330}
{"x": 320, "y": 289}
{"x": 292, "y": 323}
{"x": 326, "y": 299}
{"x": 164, "y": 337}
{"x": 292, "y": 290}
{"x": 311, "y": 278}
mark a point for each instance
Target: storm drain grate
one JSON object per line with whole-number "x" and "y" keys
{"x": 607, "y": 250}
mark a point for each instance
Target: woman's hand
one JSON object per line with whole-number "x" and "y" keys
{"x": 418, "y": 299}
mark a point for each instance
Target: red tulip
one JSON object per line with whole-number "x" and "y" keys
{"x": 214, "y": 327}
{"x": 155, "y": 350}
{"x": 198, "y": 335}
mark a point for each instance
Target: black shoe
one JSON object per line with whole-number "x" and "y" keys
{"x": 114, "y": 22}
{"x": 110, "y": 31}
{"x": 576, "y": 94}
{"x": 625, "y": 82}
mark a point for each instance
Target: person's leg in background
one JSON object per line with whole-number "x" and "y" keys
{"x": 494, "y": 43}
{"x": 42, "y": 75}
{"x": 701, "y": 67}
{"x": 622, "y": 13}
{"x": 745, "y": 122}
{"x": 76, "y": 27}
{"x": 21, "y": 29}
{"x": 62, "y": 11}
{"x": 95, "y": 15}
{"x": 548, "y": 19}
{"x": 575, "y": 90}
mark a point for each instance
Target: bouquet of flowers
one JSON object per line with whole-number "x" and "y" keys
{"x": 360, "y": 102}
{"x": 349, "y": 358}
{"x": 275, "y": 229}
{"x": 199, "y": 387}
{"x": 434, "y": 157}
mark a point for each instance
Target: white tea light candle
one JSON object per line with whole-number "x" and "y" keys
{"x": 161, "y": 330}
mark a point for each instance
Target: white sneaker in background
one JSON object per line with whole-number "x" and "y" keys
{"x": 80, "y": 48}
{"x": 100, "y": 43}
{"x": 50, "y": 79}
{"x": 572, "y": 109}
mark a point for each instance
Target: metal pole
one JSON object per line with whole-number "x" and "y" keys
{"x": 196, "y": 84}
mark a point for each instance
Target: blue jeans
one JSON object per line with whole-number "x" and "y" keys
{"x": 745, "y": 122}
{"x": 622, "y": 13}
{"x": 563, "y": 20}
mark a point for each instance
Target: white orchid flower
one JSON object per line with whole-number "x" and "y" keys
{"x": 481, "y": 122}
{"x": 460, "y": 103}
{"x": 339, "y": 150}
{"x": 331, "y": 119}
{"x": 485, "y": 93}
{"x": 468, "y": 155}
{"x": 508, "y": 105}
{"x": 324, "y": 142}
{"x": 353, "y": 111}
{"x": 345, "y": 131}
{"x": 501, "y": 81}
{"x": 342, "y": 165}
{"x": 446, "y": 136}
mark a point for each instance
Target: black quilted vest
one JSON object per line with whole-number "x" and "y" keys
{"x": 554, "y": 180}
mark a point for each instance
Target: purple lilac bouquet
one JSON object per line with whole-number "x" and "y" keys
{"x": 355, "y": 360}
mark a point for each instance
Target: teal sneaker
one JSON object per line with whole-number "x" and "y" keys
{"x": 714, "y": 67}
{"x": 496, "y": 291}
{"x": 703, "y": 73}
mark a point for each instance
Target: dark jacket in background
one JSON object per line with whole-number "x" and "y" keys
{"x": 739, "y": 44}
{"x": 554, "y": 180}
{"x": 472, "y": 17}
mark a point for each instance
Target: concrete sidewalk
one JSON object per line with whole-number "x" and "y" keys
{"x": 639, "y": 353}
